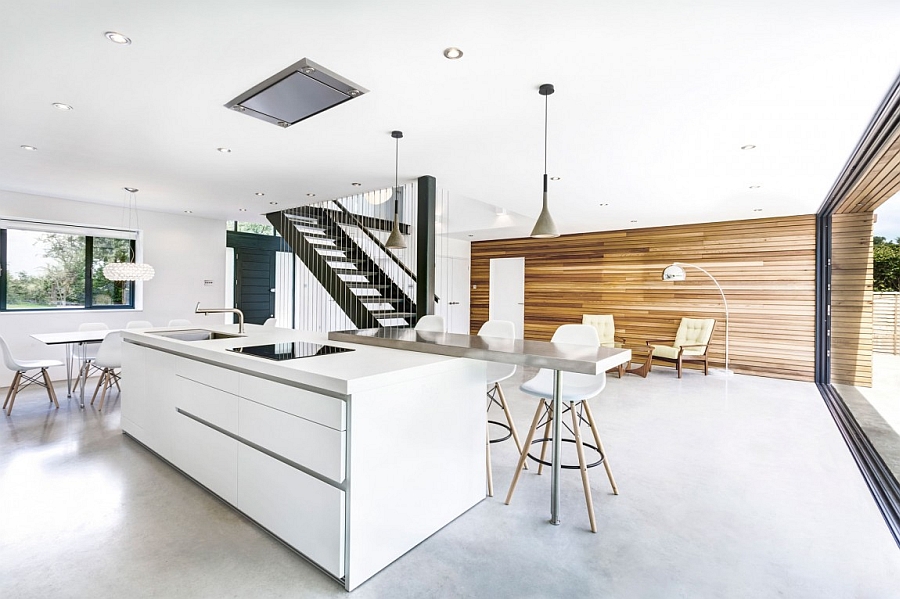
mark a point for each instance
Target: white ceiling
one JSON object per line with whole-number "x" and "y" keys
{"x": 654, "y": 101}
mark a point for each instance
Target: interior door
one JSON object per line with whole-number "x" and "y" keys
{"x": 458, "y": 307}
{"x": 254, "y": 285}
{"x": 507, "y": 293}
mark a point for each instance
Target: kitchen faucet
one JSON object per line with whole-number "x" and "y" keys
{"x": 209, "y": 311}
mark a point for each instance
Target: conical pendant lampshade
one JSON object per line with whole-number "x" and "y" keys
{"x": 545, "y": 227}
{"x": 396, "y": 241}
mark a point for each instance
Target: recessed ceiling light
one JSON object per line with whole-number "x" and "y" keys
{"x": 471, "y": 235}
{"x": 274, "y": 203}
{"x": 748, "y": 147}
{"x": 131, "y": 189}
{"x": 242, "y": 210}
{"x": 259, "y": 193}
{"x": 29, "y": 148}
{"x": 188, "y": 211}
{"x": 61, "y": 106}
{"x": 453, "y": 53}
{"x": 117, "y": 38}
{"x": 604, "y": 204}
{"x": 310, "y": 195}
{"x": 757, "y": 210}
{"x": 554, "y": 178}
{"x": 224, "y": 150}
{"x": 634, "y": 221}
{"x": 754, "y": 187}
{"x": 356, "y": 184}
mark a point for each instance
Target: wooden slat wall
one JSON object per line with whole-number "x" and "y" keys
{"x": 766, "y": 268}
{"x": 880, "y": 182}
{"x": 851, "y": 299}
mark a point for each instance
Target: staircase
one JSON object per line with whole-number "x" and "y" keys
{"x": 361, "y": 288}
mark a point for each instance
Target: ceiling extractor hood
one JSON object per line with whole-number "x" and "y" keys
{"x": 300, "y": 91}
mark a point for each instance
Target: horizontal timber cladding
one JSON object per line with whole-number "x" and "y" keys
{"x": 851, "y": 299}
{"x": 766, "y": 268}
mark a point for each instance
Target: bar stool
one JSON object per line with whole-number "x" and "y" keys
{"x": 576, "y": 390}
{"x": 496, "y": 373}
{"x": 22, "y": 367}
{"x": 432, "y": 323}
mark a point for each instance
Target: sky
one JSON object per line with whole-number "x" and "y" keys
{"x": 888, "y": 225}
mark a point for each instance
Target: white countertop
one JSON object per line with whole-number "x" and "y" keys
{"x": 343, "y": 373}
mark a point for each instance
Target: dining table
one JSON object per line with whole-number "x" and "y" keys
{"x": 558, "y": 357}
{"x": 73, "y": 340}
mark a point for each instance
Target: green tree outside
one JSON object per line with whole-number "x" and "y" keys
{"x": 886, "y": 264}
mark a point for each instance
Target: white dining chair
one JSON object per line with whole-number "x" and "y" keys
{"x": 271, "y": 323}
{"x": 180, "y": 322}
{"x": 22, "y": 379}
{"x": 138, "y": 324}
{"x": 431, "y": 322}
{"x": 109, "y": 359}
{"x": 85, "y": 361}
{"x": 497, "y": 372}
{"x": 577, "y": 389}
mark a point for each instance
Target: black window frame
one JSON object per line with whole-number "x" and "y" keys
{"x": 88, "y": 279}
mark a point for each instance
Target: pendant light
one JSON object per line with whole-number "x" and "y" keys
{"x": 396, "y": 240}
{"x": 129, "y": 271}
{"x": 545, "y": 227}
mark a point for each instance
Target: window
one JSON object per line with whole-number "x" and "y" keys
{"x": 52, "y": 269}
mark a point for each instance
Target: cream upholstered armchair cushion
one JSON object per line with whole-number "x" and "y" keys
{"x": 605, "y": 326}
{"x": 691, "y": 332}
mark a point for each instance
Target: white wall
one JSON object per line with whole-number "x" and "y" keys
{"x": 184, "y": 251}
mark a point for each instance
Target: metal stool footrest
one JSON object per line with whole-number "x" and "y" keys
{"x": 567, "y": 466}
{"x": 503, "y": 426}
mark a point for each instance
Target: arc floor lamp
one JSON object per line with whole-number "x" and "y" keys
{"x": 675, "y": 272}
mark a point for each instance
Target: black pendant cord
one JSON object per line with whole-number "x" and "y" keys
{"x": 396, "y": 175}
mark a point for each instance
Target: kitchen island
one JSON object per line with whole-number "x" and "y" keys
{"x": 350, "y": 458}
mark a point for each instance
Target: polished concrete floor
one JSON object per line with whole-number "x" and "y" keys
{"x": 729, "y": 488}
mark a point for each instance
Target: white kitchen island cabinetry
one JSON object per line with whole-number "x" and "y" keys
{"x": 352, "y": 459}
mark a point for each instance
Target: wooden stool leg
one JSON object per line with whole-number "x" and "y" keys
{"x": 546, "y": 434}
{"x": 581, "y": 465}
{"x": 50, "y": 390}
{"x": 13, "y": 390}
{"x": 490, "y": 475}
{"x": 592, "y": 423}
{"x": 509, "y": 420}
{"x": 524, "y": 456}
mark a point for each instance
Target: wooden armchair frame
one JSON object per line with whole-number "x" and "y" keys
{"x": 682, "y": 357}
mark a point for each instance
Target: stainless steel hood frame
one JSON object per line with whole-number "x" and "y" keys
{"x": 300, "y": 91}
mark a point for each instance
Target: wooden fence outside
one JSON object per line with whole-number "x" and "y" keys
{"x": 887, "y": 322}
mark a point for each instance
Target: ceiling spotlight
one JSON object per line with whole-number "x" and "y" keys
{"x": 284, "y": 124}
{"x": 310, "y": 195}
{"x": 307, "y": 70}
{"x": 188, "y": 211}
{"x": 604, "y": 204}
{"x": 453, "y": 53}
{"x": 353, "y": 93}
{"x": 748, "y": 147}
{"x": 259, "y": 193}
{"x": 29, "y": 148}
{"x": 754, "y": 187}
{"x": 356, "y": 184}
{"x": 757, "y": 210}
{"x": 224, "y": 150}
{"x": 242, "y": 210}
{"x": 61, "y": 106}
{"x": 555, "y": 178}
{"x": 634, "y": 221}
{"x": 131, "y": 189}
{"x": 117, "y": 38}
{"x": 274, "y": 203}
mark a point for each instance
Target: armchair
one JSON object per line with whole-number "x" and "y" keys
{"x": 606, "y": 331}
{"x": 691, "y": 344}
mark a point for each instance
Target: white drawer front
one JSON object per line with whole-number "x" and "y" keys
{"x": 323, "y": 409}
{"x": 213, "y": 376}
{"x": 215, "y": 406}
{"x": 301, "y": 510}
{"x": 208, "y": 456}
{"x": 311, "y": 445}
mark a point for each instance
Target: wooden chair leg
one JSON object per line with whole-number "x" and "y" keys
{"x": 705, "y": 367}
{"x": 678, "y": 367}
{"x": 50, "y": 390}
{"x": 106, "y": 387}
{"x": 550, "y": 418}
{"x": 97, "y": 388}
{"x": 583, "y": 467}
{"x": 593, "y": 425}
{"x": 490, "y": 474}
{"x": 509, "y": 420}
{"x": 11, "y": 394}
{"x": 524, "y": 456}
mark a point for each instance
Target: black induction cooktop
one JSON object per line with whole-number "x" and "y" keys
{"x": 289, "y": 351}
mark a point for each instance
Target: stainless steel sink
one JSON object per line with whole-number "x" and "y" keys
{"x": 194, "y": 335}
